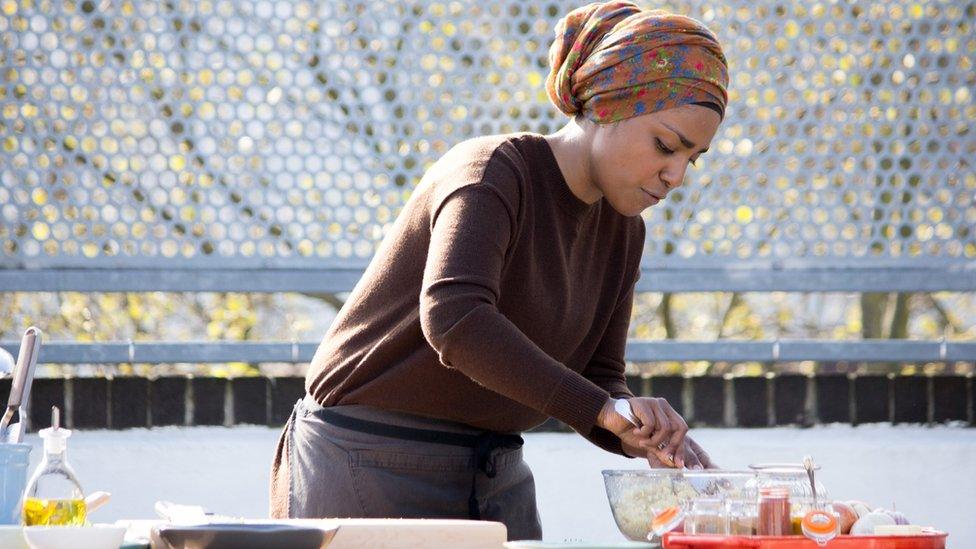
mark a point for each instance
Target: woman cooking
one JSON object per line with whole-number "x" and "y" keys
{"x": 502, "y": 294}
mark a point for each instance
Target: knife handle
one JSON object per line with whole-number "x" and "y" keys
{"x": 24, "y": 370}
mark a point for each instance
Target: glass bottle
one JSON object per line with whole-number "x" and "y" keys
{"x": 54, "y": 496}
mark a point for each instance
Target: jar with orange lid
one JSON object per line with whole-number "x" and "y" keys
{"x": 792, "y": 478}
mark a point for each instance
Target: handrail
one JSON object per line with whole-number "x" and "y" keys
{"x": 960, "y": 278}
{"x": 785, "y": 350}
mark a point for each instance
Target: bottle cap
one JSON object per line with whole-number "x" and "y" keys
{"x": 55, "y": 438}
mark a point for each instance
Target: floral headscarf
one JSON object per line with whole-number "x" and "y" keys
{"x": 612, "y": 60}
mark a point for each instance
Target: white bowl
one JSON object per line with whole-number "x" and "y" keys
{"x": 97, "y": 536}
{"x": 12, "y": 537}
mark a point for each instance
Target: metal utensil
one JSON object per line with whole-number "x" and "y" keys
{"x": 808, "y": 465}
{"x": 622, "y": 407}
{"x": 20, "y": 388}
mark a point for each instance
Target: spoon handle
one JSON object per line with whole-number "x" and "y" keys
{"x": 808, "y": 465}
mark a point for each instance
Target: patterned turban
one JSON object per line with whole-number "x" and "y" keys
{"x": 612, "y": 60}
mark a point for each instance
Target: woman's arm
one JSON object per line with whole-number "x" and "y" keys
{"x": 471, "y": 232}
{"x": 606, "y": 367}
{"x": 664, "y": 427}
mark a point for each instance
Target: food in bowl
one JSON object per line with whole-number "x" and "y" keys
{"x": 638, "y": 505}
{"x": 637, "y": 496}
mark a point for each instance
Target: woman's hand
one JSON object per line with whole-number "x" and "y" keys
{"x": 661, "y": 434}
{"x": 695, "y": 456}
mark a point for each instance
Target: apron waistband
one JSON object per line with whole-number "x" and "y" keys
{"x": 483, "y": 445}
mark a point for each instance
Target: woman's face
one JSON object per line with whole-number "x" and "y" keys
{"x": 638, "y": 161}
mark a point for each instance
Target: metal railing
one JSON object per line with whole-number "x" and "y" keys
{"x": 776, "y": 399}
{"x": 787, "y": 350}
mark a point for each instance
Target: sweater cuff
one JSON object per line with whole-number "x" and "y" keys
{"x": 606, "y": 440}
{"x": 576, "y": 402}
{"x": 623, "y": 393}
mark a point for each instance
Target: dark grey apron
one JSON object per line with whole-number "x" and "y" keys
{"x": 361, "y": 461}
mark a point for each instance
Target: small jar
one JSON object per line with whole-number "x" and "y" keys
{"x": 707, "y": 516}
{"x": 743, "y": 517}
{"x": 774, "y": 512}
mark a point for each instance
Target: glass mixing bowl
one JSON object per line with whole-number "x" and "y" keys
{"x": 637, "y": 496}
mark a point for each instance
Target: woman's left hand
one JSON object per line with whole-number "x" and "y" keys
{"x": 695, "y": 456}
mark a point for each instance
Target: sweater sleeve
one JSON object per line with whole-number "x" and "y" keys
{"x": 606, "y": 368}
{"x": 471, "y": 231}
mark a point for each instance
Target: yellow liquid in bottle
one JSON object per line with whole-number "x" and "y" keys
{"x": 54, "y": 512}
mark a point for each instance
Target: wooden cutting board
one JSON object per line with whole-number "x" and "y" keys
{"x": 414, "y": 533}
{"x": 381, "y": 533}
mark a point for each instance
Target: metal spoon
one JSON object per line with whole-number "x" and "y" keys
{"x": 808, "y": 465}
{"x": 622, "y": 407}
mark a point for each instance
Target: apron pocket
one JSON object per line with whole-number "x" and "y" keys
{"x": 401, "y": 485}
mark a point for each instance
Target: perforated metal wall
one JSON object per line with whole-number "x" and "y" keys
{"x": 246, "y": 134}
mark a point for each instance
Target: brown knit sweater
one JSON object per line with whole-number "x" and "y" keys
{"x": 497, "y": 299}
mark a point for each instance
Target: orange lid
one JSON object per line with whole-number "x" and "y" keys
{"x": 664, "y": 517}
{"x": 819, "y": 522}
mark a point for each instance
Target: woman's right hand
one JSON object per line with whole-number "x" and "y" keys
{"x": 661, "y": 434}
